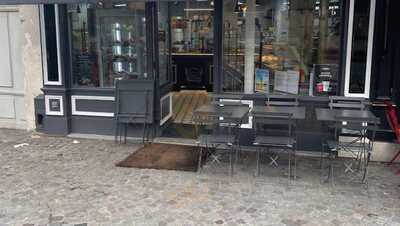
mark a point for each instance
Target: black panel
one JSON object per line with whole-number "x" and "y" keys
{"x": 55, "y": 125}
{"x": 100, "y": 126}
{"x": 95, "y": 105}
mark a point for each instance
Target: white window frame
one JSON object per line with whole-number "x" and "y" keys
{"x": 367, "y": 84}
{"x": 167, "y": 117}
{"x": 44, "y": 49}
{"x": 47, "y": 99}
{"x": 90, "y": 113}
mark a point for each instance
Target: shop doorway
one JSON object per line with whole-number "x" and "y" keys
{"x": 386, "y": 83}
{"x": 186, "y": 46}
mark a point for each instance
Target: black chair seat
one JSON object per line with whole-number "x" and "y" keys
{"x": 274, "y": 141}
{"x": 335, "y": 146}
{"x": 212, "y": 139}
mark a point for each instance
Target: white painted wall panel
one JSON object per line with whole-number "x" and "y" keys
{"x": 7, "y": 109}
{"x": 5, "y": 57}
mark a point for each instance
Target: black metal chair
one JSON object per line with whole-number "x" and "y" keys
{"x": 340, "y": 102}
{"x": 134, "y": 106}
{"x": 281, "y": 101}
{"x": 217, "y": 134}
{"x": 358, "y": 147}
{"x": 274, "y": 131}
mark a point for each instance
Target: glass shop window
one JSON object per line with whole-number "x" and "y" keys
{"x": 108, "y": 43}
{"x": 282, "y": 46}
{"x": 49, "y": 20}
{"x": 191, "y": 26}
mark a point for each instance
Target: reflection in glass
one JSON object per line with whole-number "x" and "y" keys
{"x": 359, "y": 48}
{"x": 108, "y": 43}
{"x": 290, "y": 38}
{"x": 191, "y": 26}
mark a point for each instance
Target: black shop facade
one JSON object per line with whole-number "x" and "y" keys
{"x": 183, "y": 54}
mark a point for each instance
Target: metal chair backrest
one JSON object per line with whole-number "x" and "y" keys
{"x": 352, "y": 124}
{"x": 283, "y": 100}
{"x": 273, "y": 122}
{"x": 217, "y": 122}
{"x": 133, "y": 102}
{"x": 340, "y": 102}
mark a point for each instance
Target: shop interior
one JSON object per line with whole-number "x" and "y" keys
{"x": 190, "y": 29}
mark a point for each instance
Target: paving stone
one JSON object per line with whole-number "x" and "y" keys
{"x": 54, "y": 180}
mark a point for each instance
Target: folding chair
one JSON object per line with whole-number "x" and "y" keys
{"x": 274, "y": 130}
{"x": 281, "y": 101}
{"x": 359, "y": 148}
{"x": 132, "y": 107}
{"x": 391, "y": 115}
{"x": 340, "y": 102}
{"x": 217, "y": 134}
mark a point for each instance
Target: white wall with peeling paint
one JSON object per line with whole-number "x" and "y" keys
{"x": 20, "y": 65}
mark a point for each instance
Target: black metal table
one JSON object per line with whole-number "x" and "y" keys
{"x": 298, "y": 113}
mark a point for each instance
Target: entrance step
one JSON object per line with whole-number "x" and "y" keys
{"x": 185, "y": 102}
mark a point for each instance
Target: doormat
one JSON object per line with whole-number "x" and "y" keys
{"x": 163, "y": 156}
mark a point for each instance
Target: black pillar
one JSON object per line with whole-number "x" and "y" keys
{"x": 218, "y": 46}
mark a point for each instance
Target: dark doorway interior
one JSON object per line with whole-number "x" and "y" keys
{"x": 387, "y": 51}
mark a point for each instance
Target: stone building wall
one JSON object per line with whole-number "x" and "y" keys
{"x": 23, "y": 80}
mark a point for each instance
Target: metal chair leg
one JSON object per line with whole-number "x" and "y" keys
{"x": 200, "y": 159}
{"x": 144, "y": 132}
{"x": 394, "y": 158}
{"x": 257, "y": 163}
{"x": 120, "y": 134}
{"x": 289, "y": 167}
{"x": 231, "y": 162}
{"x": 295, "y": 164}
{"x": 116, "y": 132}
{"x": 125, "y": 132}
{"x": 331, "y": 168}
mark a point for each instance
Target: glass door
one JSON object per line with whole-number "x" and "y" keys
{"x": 359, "y": 48}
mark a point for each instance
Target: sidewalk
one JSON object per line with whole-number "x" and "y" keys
{"x": 56, "y": 181}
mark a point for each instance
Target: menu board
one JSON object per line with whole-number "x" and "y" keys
{"x": 324, "y": 80}
{"x": 287, "y": 82}
{"x": 262, "y": 81}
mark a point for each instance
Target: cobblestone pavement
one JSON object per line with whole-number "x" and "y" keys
{"x": 55, "y": 181}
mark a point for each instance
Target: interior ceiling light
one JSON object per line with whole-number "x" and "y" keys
{"x": 199, "y": 9}
{"x": 120, "y": 5}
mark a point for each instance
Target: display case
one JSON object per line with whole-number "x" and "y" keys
{"x": 121, "y": 44}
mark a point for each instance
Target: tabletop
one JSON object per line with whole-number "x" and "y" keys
{"x": 326, "y": 114}
{"x": 298, "y": 112}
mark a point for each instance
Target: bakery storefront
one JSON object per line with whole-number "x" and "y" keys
{"x": 185, "y": 52}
